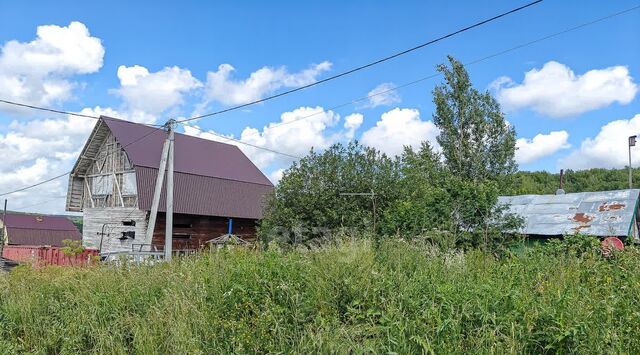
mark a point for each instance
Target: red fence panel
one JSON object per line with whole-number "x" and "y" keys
{"x": 42, "y": 255}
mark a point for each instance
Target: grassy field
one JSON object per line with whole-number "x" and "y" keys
{"x": 401, "y": 298}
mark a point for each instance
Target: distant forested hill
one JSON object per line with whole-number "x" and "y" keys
{"x": 540, "y": 182}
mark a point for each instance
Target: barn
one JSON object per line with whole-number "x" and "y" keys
{"x": 37, "y": 230}
{"x": 217, "y": 189}
{"x": 601, "y": 214}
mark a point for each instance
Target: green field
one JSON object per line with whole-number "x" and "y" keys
{"x": 402, "y": 298}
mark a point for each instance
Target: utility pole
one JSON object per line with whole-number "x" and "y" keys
{"x": 373, "y": 200}
{"x": 632, "y": 143}
{"x": 4, "y": 228}
{"x": 168, "y": 236}
{"x": 166, "y": 163}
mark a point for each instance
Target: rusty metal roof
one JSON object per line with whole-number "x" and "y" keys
{"x": 605, "y": 213}
{"x": 27, "y": 229}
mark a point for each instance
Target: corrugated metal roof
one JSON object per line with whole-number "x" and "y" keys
{"x": 211, "y": 178}
{"x": 26, "y": 229}
{"x": 605, "y": 213}
{"x": 19, "y": 236}
{"x": 202, "y": 195}
{"x": 193, "y": 155}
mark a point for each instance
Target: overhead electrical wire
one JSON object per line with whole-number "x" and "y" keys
{"x": 242, "y": 142}
{"x": 38, "y": 203}
{"x": 365, "y": 66}
{"x": 600, "y": 19}
{"x": 155, "y": 130}
{"x": 476, "y": 61}
{"x": 47, "y": 109}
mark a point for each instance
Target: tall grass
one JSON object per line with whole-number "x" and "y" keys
{"x": 400, "y": 298}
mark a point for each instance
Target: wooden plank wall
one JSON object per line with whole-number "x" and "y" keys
{"x": 111, "y": 159}
{"x": 200, "y": 229}
{"x": 95, "y": 218}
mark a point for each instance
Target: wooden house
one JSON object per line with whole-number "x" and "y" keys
{"x": 113, "y": 181}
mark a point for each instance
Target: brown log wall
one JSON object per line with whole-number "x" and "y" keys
{"x": 199, "y": 230}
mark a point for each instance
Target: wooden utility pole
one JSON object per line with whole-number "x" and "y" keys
{"x": 4, "y": 228}
{"x": 168, "y": 236}
{"x": 166, "y": 165}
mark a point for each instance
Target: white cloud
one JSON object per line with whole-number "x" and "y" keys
{"x": 608, "y": 149}
{"x": 38, "y": 72}
{"x": 153, "y": 93}
{"x": 276, "y": 175}
{"x": 555, "y": 90}
{"x": 37, "y": 150}
{"x": 352, "y": 123}
{"x": 398, "y": 128}
{"x": 542, "y": 145}
{"x": 383, "y": 95}
{"x": 296, "y": 133}
{"x": 222, "y": 88}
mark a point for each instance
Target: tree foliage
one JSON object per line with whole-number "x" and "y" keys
{"x": 448, "y": 193}
{"x": 307, "y": 203}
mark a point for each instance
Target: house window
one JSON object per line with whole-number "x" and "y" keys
{"x": 129, "y": 183}
{"x": 182, "y": 225}
{"x": 102, "y": 185}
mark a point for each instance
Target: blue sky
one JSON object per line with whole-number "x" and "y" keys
{"x": 582, "y": 119}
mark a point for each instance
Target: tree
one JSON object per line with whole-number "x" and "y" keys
{"x": 478, "y": 147}
{"x": 476, "y": 142}
{"x": 306, "y": 204}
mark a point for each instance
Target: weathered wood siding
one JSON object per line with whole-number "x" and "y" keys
{"x": 192, "y": 231}
{"x": 111, "y": 163}
{"x": 95, "y": 218}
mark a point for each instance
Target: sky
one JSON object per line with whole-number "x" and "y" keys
{"x": 573, "y": 98}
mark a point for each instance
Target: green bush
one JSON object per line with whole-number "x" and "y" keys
{"x": 348, "y": 298}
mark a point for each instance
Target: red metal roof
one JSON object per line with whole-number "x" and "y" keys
{"x": 201, "y": 195}
{"x": 26, "y": 229}
{"x": 211, "y": 178}
{"x": 193, "y": 155}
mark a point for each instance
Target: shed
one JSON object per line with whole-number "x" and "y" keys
{"x": 37, "y": 230}
{"x": 601, "y": 214}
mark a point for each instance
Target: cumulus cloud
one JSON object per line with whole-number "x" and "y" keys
{"x": 292, "y": 135}
{"x": 221, "y": 87}
{"x": 555, "y": 90}
{"x": 540, "y": 146}
{"x": 352, "y": 123}
{"x": 153, "y": 93}
{"x": 383, "y": 95}
{"x": 608, "y": 149}
{"x": 39, "y": 71}
{"x": 398, "y": 128}
{"x": 37, "y": 150}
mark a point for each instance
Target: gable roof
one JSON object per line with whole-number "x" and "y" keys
{"x": 193, "y": 155}
{"x": 26, "y": 229}
{"x": 602, "y": 214}
{"x": 210, "y": 178}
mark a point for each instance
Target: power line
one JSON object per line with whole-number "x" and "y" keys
{"x": 242, "y": 142}
{"x": 337, "y": 106}
{"x": 47, "y": 109}
{"x": 476, "y": 61}
{"x": 376, "y": 62}
{"x": 155, "y": 130}
{"x": 38, "y": 204}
